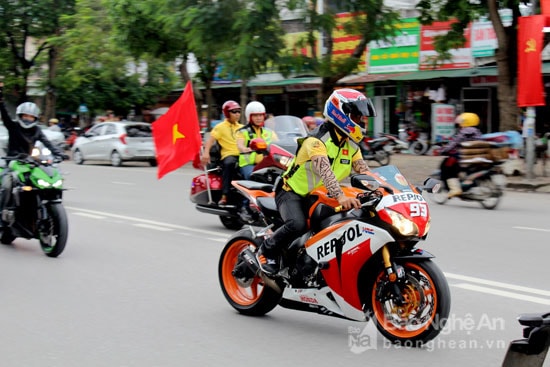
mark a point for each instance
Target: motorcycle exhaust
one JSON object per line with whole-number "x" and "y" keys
{"x": 252, "y": 263}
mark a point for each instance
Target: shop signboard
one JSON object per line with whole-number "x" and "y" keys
{"x": 344, "y": 43}
{"x": 400, "y": 53}
{"x": 443, "y": 122}
{"x": 484, "y": 38}
{"x": 461, "y": 58}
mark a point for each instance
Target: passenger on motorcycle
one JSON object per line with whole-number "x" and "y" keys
{"x": 450, "y": 167}
{"x": 224, "y": 133}
{"x": 324, "y": 158}
{"x": 255, "y": 118}
{"x": 23, "y": 134}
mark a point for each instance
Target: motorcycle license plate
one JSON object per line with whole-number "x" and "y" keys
{"x": 499, "y": 180}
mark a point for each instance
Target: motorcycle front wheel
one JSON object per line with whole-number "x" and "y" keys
{"x": 54, "y": 231}
{"x": 492, "y": 193}
{"x": 247, "y": 294}
{"x": 419, "y": 312}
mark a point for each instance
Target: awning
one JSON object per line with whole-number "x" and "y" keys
{"x": 369, "y": 78}
{"x": 454, "y": 73}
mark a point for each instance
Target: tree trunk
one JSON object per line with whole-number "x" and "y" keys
{"x": 506, "y": 58}
{"x": 244, "y": 99}
{"x": 51, "y": 97}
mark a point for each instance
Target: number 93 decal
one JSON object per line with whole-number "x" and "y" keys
{"x": 418, "y": 209}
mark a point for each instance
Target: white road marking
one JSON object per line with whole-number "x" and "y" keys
{"x": 533, "y": 229}
{"x": 139, "y": 220}
{"x": 149, "y": 226}
{"x": 492, "y": 283}
{"x": 90, "y": 215}
{"x": 498, "y": 292}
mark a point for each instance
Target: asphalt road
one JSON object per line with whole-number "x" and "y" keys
{"x": 137, "y": 286}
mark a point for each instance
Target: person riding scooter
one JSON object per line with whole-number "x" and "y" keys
{"x": 450, "y": 167}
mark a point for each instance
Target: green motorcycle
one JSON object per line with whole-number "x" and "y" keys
{"x": 34, "y": 208}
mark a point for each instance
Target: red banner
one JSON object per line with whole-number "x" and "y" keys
{"x": 176, "y": 134}
{"x": 530, "y": 44}
{"x": 545, "y": 7}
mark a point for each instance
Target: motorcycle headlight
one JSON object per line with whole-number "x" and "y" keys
{"x": 57, "y": 183}
{"x": 43, "y": 183}
{"x": 403, "y": 225}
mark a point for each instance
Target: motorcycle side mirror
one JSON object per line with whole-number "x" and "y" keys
{"x": 364, "y": 182}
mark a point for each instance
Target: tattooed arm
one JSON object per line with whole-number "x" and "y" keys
{"x": 321, "y": 165}
{"x": 360, "y": 166}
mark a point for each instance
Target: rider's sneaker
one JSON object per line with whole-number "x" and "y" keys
{"x": 223, "y": 201}
{"x": 268, "y": 260}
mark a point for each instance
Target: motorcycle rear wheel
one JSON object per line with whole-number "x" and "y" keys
{"x": 382, "y": 157}
{"x": 419, "y": 148}
{"x": 426, "y": 306}
{"x": 54, "y": 243}
{"x": 230, "y": 222}
{"x": 253, "y": 298}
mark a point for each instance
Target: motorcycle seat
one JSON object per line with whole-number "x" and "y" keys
{"x": 253, "y": 185}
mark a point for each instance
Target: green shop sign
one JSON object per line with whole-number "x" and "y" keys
{"x": 400, "y": 53}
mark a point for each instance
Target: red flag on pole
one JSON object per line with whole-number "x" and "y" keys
{"x": 176, "y": 134}
{"x": 530, "y": 43}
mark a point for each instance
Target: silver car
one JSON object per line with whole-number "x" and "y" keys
{"x": 116, "y": 142}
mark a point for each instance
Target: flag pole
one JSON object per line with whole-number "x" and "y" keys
{"x": 210, "y": 202}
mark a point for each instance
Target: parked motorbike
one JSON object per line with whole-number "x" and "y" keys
{"x": 531, "y": 350}
{"x": 373, "y": 150}
{"x": 355, "y": 265}
{"x": 206, "y": 188}
{"x": 35, "y": 208}
{"x": 481, "y": 180}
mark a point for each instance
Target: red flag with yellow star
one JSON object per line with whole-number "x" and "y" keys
{"x": 176, "y": 134}
{"x": 530, "y": 90}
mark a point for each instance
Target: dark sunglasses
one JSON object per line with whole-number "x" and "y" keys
{"x": 235, "y": 111}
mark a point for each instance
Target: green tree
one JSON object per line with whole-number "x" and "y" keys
{"x": 259, "y": 44}
{"x": 25, "y": 28}
{"x": 96, "y": 70}
{"x": 371, "y": 20}
{"x": 465, "y": 11}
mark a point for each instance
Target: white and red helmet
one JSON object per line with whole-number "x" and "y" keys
{"x": 347, "y": 109}
{"x": 253, "y": 108}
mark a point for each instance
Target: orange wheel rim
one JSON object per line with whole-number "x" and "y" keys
{"x": 402, "y": 321}
{"x": 240, "y": 294}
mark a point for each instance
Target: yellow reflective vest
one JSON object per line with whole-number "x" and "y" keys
{"x": 303, "y": 179}
{"x": 248, "y": 133}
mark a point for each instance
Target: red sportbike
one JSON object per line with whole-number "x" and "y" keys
{"x": 357, "y": 265}
{"x": 206, "y": 188}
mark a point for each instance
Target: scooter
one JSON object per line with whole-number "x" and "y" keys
{"x": 206, "y": 188}
{"x": 356, "y": 265}
{"x": 35, "y": 208}
{"x": 481, "y": 180}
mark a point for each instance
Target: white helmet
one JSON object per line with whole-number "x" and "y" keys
{"x": 253, "y": 108}
{"x": 27, "y": 108}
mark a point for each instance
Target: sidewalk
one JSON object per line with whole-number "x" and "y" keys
{"x": 417, "y": 168}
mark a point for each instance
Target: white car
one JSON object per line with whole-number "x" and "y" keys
{"x": 116, "y": 142}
